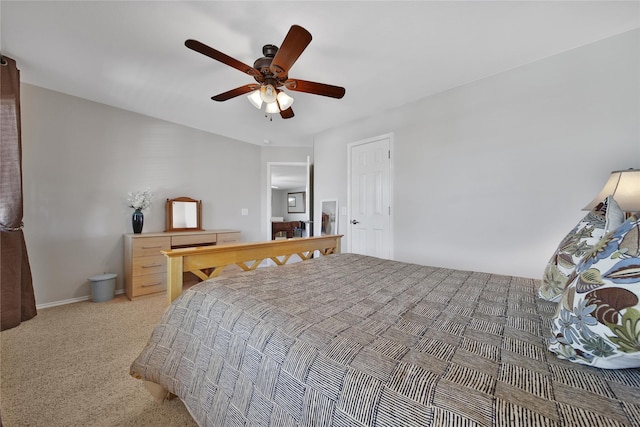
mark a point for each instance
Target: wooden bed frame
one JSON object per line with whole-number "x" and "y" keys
{"x": 208, "y": 261}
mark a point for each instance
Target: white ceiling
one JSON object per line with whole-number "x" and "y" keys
{"x": 385, "y": 53}
{"x": 288, "y": 177}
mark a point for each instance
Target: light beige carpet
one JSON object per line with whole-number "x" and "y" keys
{"x": 69, "y": 366}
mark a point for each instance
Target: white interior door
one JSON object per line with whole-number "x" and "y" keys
{"x": 370, "y": 197}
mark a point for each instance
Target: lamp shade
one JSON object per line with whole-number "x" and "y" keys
{"x": 272, "y": 108}
{"x": 284, "y": 100}
{"x": 268, "y": 93}
{"x": 255, "y": 99}
{"x": 624, "y": 186}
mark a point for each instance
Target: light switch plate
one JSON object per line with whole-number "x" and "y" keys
{"x": 245, "y": 211}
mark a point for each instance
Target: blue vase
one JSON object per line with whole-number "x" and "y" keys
{"x": 137, "y": 220}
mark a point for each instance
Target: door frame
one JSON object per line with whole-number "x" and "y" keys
{"x": 308, "y": 188}
{"x": 390, "y": 136}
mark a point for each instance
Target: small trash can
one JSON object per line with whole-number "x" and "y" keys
{"x": 103, "y": 286}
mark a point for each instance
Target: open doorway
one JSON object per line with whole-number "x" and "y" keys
{"x": 289, "y": 200}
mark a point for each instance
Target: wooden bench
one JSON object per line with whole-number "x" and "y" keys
{"x": 208, "y": 261}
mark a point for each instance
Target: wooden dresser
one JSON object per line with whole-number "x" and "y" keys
{"x": 285, "y": 226}
{"x": 145, "y": 268}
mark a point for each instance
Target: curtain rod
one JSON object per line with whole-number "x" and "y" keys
{"x": 2, "y": 60}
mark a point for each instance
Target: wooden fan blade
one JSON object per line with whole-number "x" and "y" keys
{"x": 286, "y": 114}
{"x": 295, "y": 42}
{"x": 225, "y": 59}
{"x": 315, "y": 88}
{"x": 235, "y": 92}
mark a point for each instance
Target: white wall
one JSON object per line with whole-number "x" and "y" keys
{"x": 279, "y": 203}
{"x": 81, "y": 158}
{"x": 491, "y": 176}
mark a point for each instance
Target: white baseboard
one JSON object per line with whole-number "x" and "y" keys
{"x": 70, "y": 301}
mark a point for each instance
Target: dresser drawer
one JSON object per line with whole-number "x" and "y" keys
{"x": 149, "y": 265}
{"x": 193, "y": 240}
{"x": 227, "y": 238}
{"x": 146, "y": 246}
{"x": 145, "y": 267}
{"x": 149, "y": 283}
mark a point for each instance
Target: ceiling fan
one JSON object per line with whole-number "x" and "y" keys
{"x": 271, "y": 74}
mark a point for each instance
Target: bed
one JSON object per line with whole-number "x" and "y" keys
{"x": 352, "y": 340}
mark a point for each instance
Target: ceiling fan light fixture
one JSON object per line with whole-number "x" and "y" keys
{"x": 268, "y": 93}
{"x": 284, "y": 100}
{"x": 255, "y": 99}
{"x": 271, "y": 73}
{"x": 272, "y": 108}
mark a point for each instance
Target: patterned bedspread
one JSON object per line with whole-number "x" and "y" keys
{"x": 349, "y": 340}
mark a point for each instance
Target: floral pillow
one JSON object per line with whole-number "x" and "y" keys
{"x": 597, "y": 322}
{"x": 605, "y": 217}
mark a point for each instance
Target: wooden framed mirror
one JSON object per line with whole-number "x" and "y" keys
{"x": 184, "y": 214}
{"x": 296, "y": 202}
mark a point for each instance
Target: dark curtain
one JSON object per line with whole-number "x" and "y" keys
{"x": 17, "y": 300}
